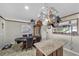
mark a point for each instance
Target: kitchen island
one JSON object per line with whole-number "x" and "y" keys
{"x": 49, "y": 48}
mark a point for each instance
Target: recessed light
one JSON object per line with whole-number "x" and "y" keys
{"x": 43, "y": 7}
{"x": 26, "y": 7}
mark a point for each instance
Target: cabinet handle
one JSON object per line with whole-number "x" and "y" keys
{"x": 2, "y": 25}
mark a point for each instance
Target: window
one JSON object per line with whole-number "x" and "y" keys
{"x": 67, "y": 27}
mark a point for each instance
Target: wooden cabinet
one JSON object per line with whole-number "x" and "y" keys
{"x": 58, "y": 52}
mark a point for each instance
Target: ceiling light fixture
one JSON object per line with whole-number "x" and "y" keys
{"x": 26, "y": 7}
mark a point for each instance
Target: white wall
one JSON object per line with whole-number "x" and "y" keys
{"x": 12, "y": 30}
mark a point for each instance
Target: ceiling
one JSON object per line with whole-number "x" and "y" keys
{"x": 17, "y": 10}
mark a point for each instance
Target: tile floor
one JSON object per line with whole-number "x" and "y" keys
{"x": 16, "y": 51}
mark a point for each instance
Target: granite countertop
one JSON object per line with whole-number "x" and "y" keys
{"x": 49, "y": 46}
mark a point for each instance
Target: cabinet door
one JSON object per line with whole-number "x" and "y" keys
{"x": 1, "y": 33}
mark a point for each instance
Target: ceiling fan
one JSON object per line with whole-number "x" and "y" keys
{"x": 49, "y": 16}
